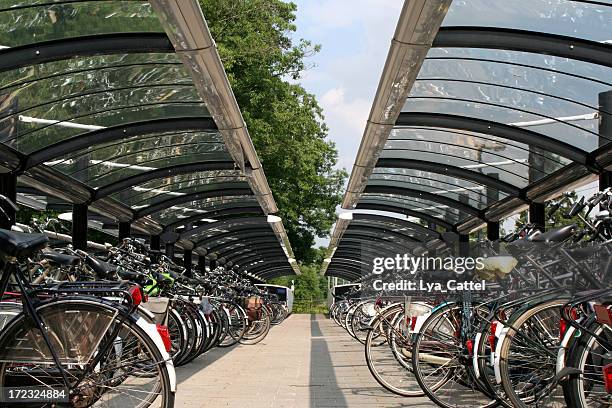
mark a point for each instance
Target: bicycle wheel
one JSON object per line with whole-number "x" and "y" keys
{"x": 178, "y": 334}
{"x": 383, "y": 361}
{"x": 442, "y": 364}
{"x": 528, "y": 357}
{"x": 131, "y": 371}
{"x": 587, "y": 390}
{"x": 237, "y": 324}
{"x": 258, "y": 329}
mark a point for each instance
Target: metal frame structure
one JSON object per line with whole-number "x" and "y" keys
{"x": 163, "y": 194}
{"x": 436, "y": 153}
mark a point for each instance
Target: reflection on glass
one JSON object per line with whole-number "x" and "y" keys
{"x": 25, "y": 22}
{"x": 563, "y": 17}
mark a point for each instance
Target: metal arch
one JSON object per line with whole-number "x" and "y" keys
{"x": 353, "y": 240}
{"x": 517, "y": 134}
{"x": 380, "y": 229}
{"x": 101, "y": 44}
{"x": 524, "y": 41}
{"x": 261, "y": 244}
{"x": 358, "y": 271}
{"x": 116, "y": 133}
{"x": 276, "y": 272}
{"x": 253, "y": 238}
{"x": 356, "y": 244}
{"x": 228, "y": 224}
{"x": 248, "y": 236}
{"x": 161, "y": 173}
{"x": 225, "y": 213}
{"x": 458, "y": 172}
{"x": 342, "y": 275}
{"x": 397, "y": 221}
{"x": 256, "y": 266}
{"x": 162, "y": 205}
{"x": 409, "y": 192}
{"x": 367, "y": 237}
{"x": 405, "y": 211}
{"x": 269, "y": 265}
{"x": 250, "y": 256}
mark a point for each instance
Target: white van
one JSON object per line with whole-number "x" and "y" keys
{"x": 284, "y": 294}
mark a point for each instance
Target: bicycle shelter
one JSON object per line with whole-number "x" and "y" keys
{"x": 121, "y": 111}
{"x": 484, "y": 109}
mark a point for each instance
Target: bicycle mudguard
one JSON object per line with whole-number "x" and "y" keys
{"x": 475, "y": 355}
{"x": 151, "y": 330}
{"x": 496, "y": 358}
{"x": 563, "y": 347}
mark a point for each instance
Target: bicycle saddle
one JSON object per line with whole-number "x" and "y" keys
{"x": 556, "y": 235}
{"x": 101, "y": 268}
{"x": 61, "y": 259}
{"x": 20, "y": 244}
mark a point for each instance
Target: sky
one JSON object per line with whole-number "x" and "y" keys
{"x": 355, "y": 36}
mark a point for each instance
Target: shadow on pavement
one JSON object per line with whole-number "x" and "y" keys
{"x": 324, "y": 390}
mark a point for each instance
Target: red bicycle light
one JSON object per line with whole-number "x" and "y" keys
{"x": 470, "y": 346}
{"x": 607, "y": 376}
{"x": 137, "y": 295}
{"x": 165, "y": 336}
{"x": 413, "y": 322}
{"x": 562, "y": 328}
{"x": 492, "y": 335}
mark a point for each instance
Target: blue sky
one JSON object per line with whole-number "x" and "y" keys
{"x": 355, "y": 36}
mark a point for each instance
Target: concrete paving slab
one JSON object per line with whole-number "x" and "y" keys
{"x": 306, "y": 362}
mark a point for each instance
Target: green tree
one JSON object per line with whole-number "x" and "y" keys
{"x": 263, "y": 64}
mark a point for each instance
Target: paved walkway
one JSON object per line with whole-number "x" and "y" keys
{"x": 307, "y": 361}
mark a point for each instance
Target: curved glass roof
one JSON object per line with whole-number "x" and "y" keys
{"x": 505, "y": 110}
{"x": 92, "y": 93}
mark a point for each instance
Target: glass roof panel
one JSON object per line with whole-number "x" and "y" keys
{"x": 508, "y": 106}
{"x": 428, "y": 182}
{"x": 27, "y": 22}
{"x": 98, "y": 167}
{"x": 563, "y": 17}
{"x": 412, "y": 231}
{"x": 101, "y": 110}
{"x": 203, "y": 188}
{"x": 232, "y": 225}
{"x": 512, "y": 163}
{"x": 203, "y": 206}
{"x": 148, "y": 195}
{"x": 451, "y": 215}
{"x": 177, "y": 183}
{"x": 78, "y": 69}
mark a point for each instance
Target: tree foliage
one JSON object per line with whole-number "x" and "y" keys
{"x": 286, "y": 124}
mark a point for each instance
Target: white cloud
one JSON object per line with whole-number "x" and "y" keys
{"x": 355, "y": 37}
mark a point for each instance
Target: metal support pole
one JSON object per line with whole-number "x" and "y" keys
{"x": 464, "y": 245}
{"x": 537, "y": 215}
{"x": 155, "y": 242}
{"x": 492, "y": 231}
{"x": 213, "y": 264}
{"x": 170, "y": 250}
{"x": 605, "y": 131}
{"x": 492, "y": 198}
{"x": 124, "y": 230}
{"x": 8, "y": 188}
{"x": 202, "y": 264}
{"x": 79, "y": 226}
{"x": 187, "y": 256}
